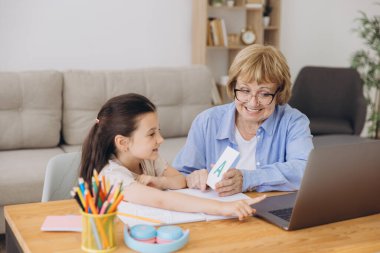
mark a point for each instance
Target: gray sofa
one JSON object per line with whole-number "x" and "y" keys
{"x": 46, "y": 113}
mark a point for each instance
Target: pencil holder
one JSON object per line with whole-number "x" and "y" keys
{"x": 98, "y": 233}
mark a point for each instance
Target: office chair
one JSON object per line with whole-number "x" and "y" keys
{"x": 61, "y": 176}
{"x": 332, "y": 99}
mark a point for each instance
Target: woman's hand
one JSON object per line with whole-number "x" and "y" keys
{"x": 240, "y": 208}
{"x": 197, "y": 180}
{"x": 231, "y": 183}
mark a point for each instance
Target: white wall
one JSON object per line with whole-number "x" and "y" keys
{"x": 94, "y": 34}
{"x": 320, "y": 32}
{"x": 117, "y": 34}
{"x": 121, "y": 34}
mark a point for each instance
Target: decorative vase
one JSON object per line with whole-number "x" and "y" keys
{"x": 266, "y": 21}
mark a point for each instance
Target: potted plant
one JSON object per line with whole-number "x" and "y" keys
{"x": 266, "y": 14}
{"x": 367, "y": 62}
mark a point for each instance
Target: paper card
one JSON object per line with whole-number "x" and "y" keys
{"x": 222, "y": 165}
{"x": 63, "y": 223}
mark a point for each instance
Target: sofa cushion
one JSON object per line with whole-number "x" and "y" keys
{"x": 168, "y": 149}
{"x": 179, "y": 94}
{"x": 22, "y": 174}
{"x": 71, "y": 148}
{"x": 30, "y": 109}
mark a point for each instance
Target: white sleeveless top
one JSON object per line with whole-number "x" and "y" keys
{"x": 247, "y": 151}
{"x": 116, "y": 172}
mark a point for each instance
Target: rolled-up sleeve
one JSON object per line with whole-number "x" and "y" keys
{"x": 192, "y": 156}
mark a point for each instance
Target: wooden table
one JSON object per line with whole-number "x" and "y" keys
{"x": 23, "y": 224}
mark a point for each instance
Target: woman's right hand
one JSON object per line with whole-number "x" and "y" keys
{"x": 197, "y": 179}
{"x": 240, "y": 208}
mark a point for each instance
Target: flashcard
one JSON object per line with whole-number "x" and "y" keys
{"x": 222, "y": 165}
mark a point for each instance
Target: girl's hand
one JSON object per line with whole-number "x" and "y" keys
{"x": 197, "y": 180}
{"x": 149, "y": 181}
{"x": 240, "y": 208}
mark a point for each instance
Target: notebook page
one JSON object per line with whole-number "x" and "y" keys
{"x": 162, "y": 215}
{"x": 214, "y": 195}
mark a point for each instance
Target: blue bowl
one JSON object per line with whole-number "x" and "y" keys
{"x": 155, "y": 248}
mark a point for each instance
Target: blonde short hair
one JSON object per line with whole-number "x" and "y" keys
{"x": 263, "y": 64}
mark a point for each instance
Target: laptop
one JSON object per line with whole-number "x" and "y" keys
{"x": 340, "y": 182}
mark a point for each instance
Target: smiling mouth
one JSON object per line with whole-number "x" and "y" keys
{"x": 252, "y": 109}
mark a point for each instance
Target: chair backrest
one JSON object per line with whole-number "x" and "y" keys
{"x": 332, "y": 98}
{"x": 61, "y": 176}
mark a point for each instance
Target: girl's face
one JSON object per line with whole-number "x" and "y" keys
{"x": 255, "y": 102}
{"x": 146, "y": 139}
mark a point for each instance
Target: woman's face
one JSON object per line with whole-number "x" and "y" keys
{"x": 146, "y": 139}
{"x": 255, "y": 102}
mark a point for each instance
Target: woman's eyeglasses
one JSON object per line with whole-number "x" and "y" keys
{"x": 263, "y": 98}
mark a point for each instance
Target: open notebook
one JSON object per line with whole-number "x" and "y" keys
{"x": 162, "y": 216}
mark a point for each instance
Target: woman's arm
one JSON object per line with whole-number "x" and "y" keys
{"x": 145, "y": 195}
{"x": 170, "y": 179}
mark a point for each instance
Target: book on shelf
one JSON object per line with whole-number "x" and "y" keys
{"x": 216, "y": 32}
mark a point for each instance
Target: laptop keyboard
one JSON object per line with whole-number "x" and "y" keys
{"x": 283, "y": 213}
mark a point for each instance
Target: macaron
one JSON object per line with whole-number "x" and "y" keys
{"x": 144, "y": 233}
{"x": 167, "y": 234}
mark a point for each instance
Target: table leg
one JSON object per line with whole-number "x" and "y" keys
{"x": 11, "y": 243}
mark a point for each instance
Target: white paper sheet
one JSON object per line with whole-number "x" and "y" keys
{"x": 222, "y": 165}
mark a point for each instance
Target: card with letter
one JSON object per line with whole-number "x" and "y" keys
{"x": 222, "y": 165}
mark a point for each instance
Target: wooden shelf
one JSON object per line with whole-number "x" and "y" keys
{"x": 236, "y": 8}
{"x": 234, "y": 47}
{"x": 271, "y": 28}
{"x": 236, "y": 18}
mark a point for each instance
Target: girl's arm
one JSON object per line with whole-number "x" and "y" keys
{"x": 170, "y": 179}
{"x": 175, "y": 201}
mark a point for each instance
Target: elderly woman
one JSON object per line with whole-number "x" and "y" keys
{"x": 273, "y": 139}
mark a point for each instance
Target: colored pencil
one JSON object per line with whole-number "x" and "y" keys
{"x": 139, "y": 217}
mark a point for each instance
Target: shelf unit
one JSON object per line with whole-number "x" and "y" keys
{"x": 219, "y": 58}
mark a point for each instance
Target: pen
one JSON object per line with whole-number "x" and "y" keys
{"x": 104, "y": 184}
{"x": 94, "y": 188}
{"x": 80, "y": 195}
{"x": 75, "y": 196}
{"x": 109, "y": 193}
{"x": 104, "y": 207}
{"x": 96, "y": 176}
{"x": 115, "y": 204}
{"x": 81, "y": 184}
{"x": 139, "y": 217}
{"x": 98, "y": 201}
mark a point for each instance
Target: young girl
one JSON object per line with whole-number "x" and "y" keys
{"x": 123, "y": 146}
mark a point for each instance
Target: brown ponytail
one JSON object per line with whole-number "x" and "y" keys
{"x": 118, "y": 116}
